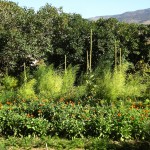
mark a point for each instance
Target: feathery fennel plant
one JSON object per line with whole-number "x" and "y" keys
{"x": 53, "y": 84}
{"x": 49, "y": 82}
{"x": 117, "y": 84}
{"x": 27, "y": 90}
{"x": 9, "y": 83}
{"x": 69, "y": 90}
{"x": 7, "y": 88}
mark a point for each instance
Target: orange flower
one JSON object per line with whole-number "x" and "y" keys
{"x": 119, "y": 114}
{"x": 28, "y": 115}
{"x": 39, "y": 111}
{"x": 8, "y": 103}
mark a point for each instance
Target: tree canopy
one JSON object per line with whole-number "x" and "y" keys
{"x": 49, "y": 34}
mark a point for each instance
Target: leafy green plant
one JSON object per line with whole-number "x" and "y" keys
{"x": 27, "y": 90}
{"x": 8, "y": 86}
{"x": 9, "y": 83}
{"x": 13, "y": 123}
{"x": 120, "y": 120}
{"x": 134, "y": 86}
{"x": 7, "y": 96}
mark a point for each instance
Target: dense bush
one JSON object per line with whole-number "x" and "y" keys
{"x": 68, "y": 119}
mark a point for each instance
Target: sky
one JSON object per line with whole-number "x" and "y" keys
{"x": 89, "y": 8}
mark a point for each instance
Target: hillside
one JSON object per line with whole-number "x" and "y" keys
{"x": 138, "y": 16}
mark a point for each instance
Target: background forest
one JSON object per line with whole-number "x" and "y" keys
{"x": 49, "y": 34}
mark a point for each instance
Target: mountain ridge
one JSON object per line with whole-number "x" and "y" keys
{"x": 139, "y": 16}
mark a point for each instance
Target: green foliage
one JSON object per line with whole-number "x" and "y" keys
{"x": 7, "y": 96}
{"x": 21, "y": 124}
{"x": 27, "y": 89}
{"x": 147, "y": 130}
{"x": 51, "y": 84}
{"x": 58, "y": 143}
{"x": 117, "y": 84}
{"x": 67, "y": 119}
{"x": 134, "y": 86}
{"x": 24, "y": 38}
{"x": 69, "y": 78}
{"x": 97, "y": 144}
{"x": 9, "y": 83}
{"x": 7, "y": 88}
{"x": 50, "y": 101}
{"x": 69, "y": 90}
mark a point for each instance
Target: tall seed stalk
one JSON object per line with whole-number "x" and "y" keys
{"x": 120, "y": 59}
{"x": 115, "y": 55}
{"x": 65, "y": 63}
{"x": 87, "y": 59}
{"x": 91, "y": 50}
{"x": 25, "y": 73}
{"x": 6, "y": 71}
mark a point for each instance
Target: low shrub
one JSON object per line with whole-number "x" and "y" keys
{"x": 67, "y": 119}
{"x": 15, "y": 124}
